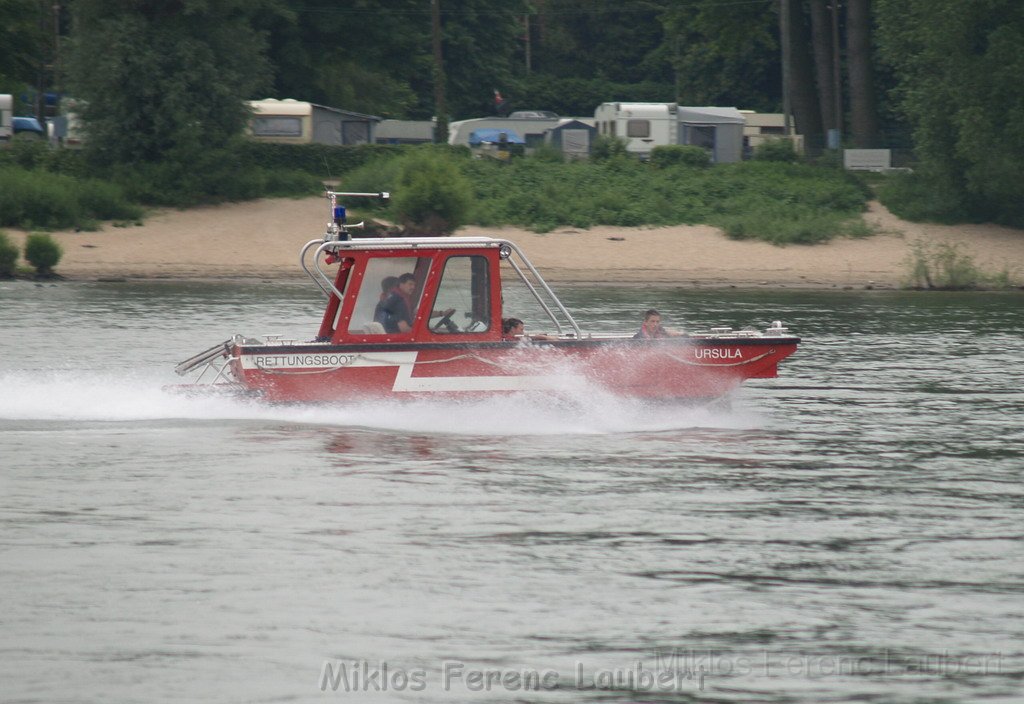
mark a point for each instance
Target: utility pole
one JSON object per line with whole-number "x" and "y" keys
{"x": 57, "y": 68}
{"x": 440, "y": 104}
{"x": 787, "y": 50}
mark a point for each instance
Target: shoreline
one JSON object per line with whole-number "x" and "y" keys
{"x": 260, "y": 240}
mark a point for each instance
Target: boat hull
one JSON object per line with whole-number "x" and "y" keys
{"x": 673, "y": 368}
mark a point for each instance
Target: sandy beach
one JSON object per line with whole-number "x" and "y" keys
{"x": 262, "y": 239}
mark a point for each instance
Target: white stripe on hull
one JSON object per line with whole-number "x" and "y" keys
{"x": 405, "y": 382}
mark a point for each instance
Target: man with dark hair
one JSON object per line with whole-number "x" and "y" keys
{"x": 512, "y": 329}
{"x": 396, "y": 310}
{"x": 651, "y": 328}
{"x": 387, "y": 287}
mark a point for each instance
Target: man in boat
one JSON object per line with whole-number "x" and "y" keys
{"x": 388, "y": 285}
{"x": 395, "y": 311}
{"x": 651, "y": 329}
{"x": 513, "y": 329}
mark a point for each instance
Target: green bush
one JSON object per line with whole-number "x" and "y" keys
{"x": 919, "y": 198}
{"x": 384, "y": 172}
{"x": 39, "y": 156}
{"x": 942, "y": 265}
{"x": 432, "y": 196}
{"x": 548, "y": 153}
{"x": 775, "y": 150}
{"x": 8, "y": 257}
{"x": 39, "y": 199}
{"x": 948, "y": 266}
{"x": 321, "y": 160}
{"x": 28, "y": 154}
{"x": 42, "y": 252}
{"x": 186, "y": 178}
{"x": 679, "y": 154}
{"x": 606, "y": 147}
{"x": 776, "y": 202}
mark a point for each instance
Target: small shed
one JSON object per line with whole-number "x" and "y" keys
{"x": 573, "y": 138}
{"x": 719, "y": 130}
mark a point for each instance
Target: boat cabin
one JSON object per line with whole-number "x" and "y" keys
{"x": 403, "y": 292}
{"x": 433, "y": 290}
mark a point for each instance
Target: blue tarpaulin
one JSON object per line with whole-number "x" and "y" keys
{"x": 477, "y": 137}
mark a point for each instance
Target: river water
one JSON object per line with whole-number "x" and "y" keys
{"x": 850, "y": 531}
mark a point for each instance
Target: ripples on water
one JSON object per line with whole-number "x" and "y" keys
{"x": 849, "y": 531}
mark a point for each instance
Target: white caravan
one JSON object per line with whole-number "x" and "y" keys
{"x": 6, "y": 115}
{"x": 531, "y": 129}
{"x": 643, "y": 125}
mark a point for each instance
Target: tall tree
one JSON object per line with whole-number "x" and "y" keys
{"x": 958, "y": 66}
{"x": 802, "y": 88}
{"x": 360, "y": 55}
{"x": 165, "y": 76}
{"x": 481, "y": 41}
{"x": 27, "y": 43}
{"x": 377, "y": 57}
{"x": 825, "y": 57}
{"x": 615, "y": 40}
{"x": 723, "y": 54}
{"x": 860, "y": 56}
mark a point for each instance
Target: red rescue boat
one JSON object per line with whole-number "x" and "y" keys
{"x": 422, "y": 317}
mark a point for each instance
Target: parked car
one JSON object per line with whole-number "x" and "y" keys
{"x": 27, "y": 127}
{"x": 534, "y": 115}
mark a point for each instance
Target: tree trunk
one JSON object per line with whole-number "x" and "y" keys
{"x": 821, "y": 39}
{"x": 863, "y": 112}
{"x": 440, "y": 101}
{"x": 803, "y": 91}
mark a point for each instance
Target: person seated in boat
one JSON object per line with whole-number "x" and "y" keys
{"x": 395, "y": 311}
{"x": 513, "y": 330}
{"x": 652, "y": 329}
{"x": 387, "y": 286}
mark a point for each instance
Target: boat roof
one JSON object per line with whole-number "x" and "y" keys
{"x": 378, "y": 243}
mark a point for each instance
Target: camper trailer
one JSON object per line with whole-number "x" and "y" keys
{"x": 761, "y": 127}
{"x": 6, "y": 116}
{"x": 531, "y": 129}
{"x": 643, "y": 125}
{"x": 297, "y": 122}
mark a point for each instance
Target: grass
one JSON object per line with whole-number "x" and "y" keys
{"x": 782, "y": 203}
{"x": 779, "y": 202}
{"x": 947, "y": 266}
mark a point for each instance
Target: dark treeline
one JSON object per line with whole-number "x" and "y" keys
{"x": 169, "y": 75}
{"x": 376, "y": 56}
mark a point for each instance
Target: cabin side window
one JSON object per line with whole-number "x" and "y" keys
{"x": 463, "y": 302}
{"x": 638, "y": 128}
{"x": 277, "y": 126}
{"x": 389, "y": 296}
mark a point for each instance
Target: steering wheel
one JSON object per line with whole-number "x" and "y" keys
{"x": 447, "y": 323}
